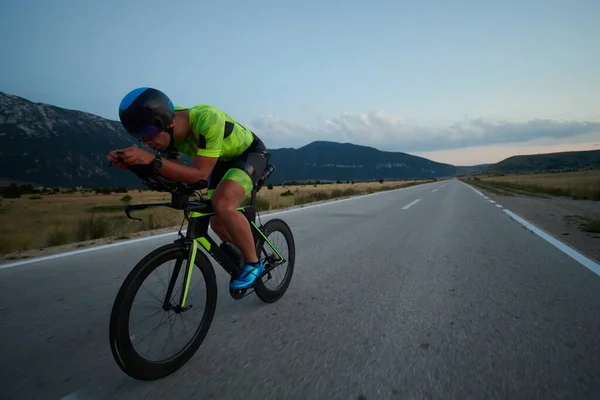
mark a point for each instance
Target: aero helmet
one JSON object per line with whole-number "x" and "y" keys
{"x": 146, "y": 111}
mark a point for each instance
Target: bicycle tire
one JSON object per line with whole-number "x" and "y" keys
{"x": 276, "y": 225}
{"x": 128, "y": 360}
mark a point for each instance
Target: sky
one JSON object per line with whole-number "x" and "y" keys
{"x": 463, "y": 82}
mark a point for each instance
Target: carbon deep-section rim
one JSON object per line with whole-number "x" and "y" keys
{"x": 275, "y": 225}
{"x": 121, "y": 345}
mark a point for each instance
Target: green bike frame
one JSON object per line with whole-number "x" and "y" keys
{"x": 197, "y": 235}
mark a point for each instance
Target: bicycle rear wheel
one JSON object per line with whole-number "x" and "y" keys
{"x": 269, "y": 253}
{"x": 123, "y": 348}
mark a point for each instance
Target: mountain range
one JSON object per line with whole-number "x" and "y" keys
{"x": 549, "y": 162}
{"x": 51, "y": 146}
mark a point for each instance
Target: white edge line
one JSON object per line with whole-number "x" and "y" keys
{"x": 434, "y": 190}
{"x": 498, "y": 205}
{"x": 492, "y": 201}
{"x": 574, "y": 254}
{"x": 106, "y": 246}
{"x": 473, "y": 189}
{"x": 406, "y": 207}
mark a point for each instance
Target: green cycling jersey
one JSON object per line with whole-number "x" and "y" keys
{"x": 214, "y": 134}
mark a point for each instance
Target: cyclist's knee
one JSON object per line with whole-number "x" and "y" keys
{"x": 221, "y": 205}
{"x": 227, "y": 196}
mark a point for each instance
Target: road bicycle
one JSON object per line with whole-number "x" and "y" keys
{"x": 186, "y": 247}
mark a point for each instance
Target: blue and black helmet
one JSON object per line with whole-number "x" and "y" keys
{"x": 146, "y": 111}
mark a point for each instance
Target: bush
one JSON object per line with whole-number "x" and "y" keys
{"x": 12, "y": 192}
{"x": 92, "y": 228}
{"x": 57, "y": 237}
{"x": 309, "y": 198}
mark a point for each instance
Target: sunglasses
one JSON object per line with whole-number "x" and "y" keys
{"x": 147, "y": 131}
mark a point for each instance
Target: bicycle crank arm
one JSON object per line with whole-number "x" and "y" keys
{"x": 267, "y": 270}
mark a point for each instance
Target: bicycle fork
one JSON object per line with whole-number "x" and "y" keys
{"x": 186, "y": 280}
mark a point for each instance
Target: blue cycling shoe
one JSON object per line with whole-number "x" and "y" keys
{"x": 248, "y": 276}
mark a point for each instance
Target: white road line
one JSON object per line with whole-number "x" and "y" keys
{"x": 571, "y": 252}
{"x": 574, "y": 254}
{"x": 491, "y": 201}
{"x": 174, "y": 233}
{"x": 485, "y": 197}
{"x": 434, "y": 190}
{"x": 406, "y": 207}
{"x": 475, "y": 190}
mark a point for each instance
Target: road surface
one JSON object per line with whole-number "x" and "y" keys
{"x": 436, "y": 293}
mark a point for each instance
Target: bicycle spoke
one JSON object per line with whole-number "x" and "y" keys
{"x": 155, "y": 330}
{"x": 276, "y": 270}
{"x": 157, "y": 299}
{"x": 171, "y": 324}
{"x": 160, "y": 310}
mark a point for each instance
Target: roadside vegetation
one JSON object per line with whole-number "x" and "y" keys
{"x": 589, "y": 224}
{"x": 578, "y": 185}
{"x": 35, "y": 219}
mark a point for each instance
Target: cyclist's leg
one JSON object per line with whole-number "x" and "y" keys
{"x": 235, "y": 185}
{"x": 217, "y": 174}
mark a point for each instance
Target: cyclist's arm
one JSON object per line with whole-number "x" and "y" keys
{"x": 200, "y": 169}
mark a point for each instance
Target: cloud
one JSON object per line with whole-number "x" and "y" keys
{"x": 389, "y": 132}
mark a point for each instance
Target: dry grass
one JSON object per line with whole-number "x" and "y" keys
{"x": 65, "y": 218}
{"x": 580, "y": 185}
{"x": 33, "y": 222}
{"x": 589, "y": 224}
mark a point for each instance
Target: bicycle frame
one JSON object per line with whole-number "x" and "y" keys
{"x": 198, "y": 214}
{"x": 197, "y": 234}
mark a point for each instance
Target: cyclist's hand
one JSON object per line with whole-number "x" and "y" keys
{"x": 136, "y": 156}
{"x": 116, "y": 158}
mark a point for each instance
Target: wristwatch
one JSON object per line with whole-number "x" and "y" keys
{"x": 157, "y": 163}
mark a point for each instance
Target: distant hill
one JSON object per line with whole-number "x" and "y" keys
{"x": 344, "y": 161}
{"x": 552, "y": 162}
{"x": 54, "y": 146}
{"x": 472, "y": 169}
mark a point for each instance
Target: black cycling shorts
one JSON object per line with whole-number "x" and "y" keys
{"x": 245, "y": 169}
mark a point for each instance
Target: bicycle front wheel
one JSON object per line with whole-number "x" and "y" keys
{"x": 126, "y": 345}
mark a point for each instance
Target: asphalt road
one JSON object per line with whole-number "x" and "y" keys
{"x": 448, "y": 298}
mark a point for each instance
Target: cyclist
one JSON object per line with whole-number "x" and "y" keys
{"x": 232, "y": 155}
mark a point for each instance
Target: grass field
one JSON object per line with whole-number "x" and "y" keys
{"x": 38, "y": 221}
{"x": 579, "y": 185}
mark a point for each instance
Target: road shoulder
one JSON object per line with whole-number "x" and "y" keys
{"x": 559, "y": 216}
